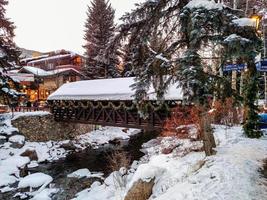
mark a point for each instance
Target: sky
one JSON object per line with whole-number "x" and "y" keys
{"x": 47, "y": 25}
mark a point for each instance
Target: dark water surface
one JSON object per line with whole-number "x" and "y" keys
{"x": 96, "y": 160}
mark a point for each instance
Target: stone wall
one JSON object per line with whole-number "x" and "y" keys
{"x": 44, "y": 128}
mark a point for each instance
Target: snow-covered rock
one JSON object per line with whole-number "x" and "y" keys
{"x": 7, "y": 179}
{"x": 2, "y": 139}
{"x": 104, "y": 136}
{"x": 17, "y": 141}
{"x": 35, "y": 180}
{"x": 45, "y": 194}
{"x": 81, "y": 173}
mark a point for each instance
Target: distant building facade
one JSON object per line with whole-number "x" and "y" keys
{"x": 56, "y": 60}
{"x": 38, "y": 84}
{"x": 41, "y": 75}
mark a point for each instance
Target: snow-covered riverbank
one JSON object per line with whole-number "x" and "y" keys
{"x": 177, "y": 167}
{"x": 13, "y": 145}
{"x": 233, "y": 173}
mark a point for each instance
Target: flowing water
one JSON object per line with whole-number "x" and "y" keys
{"x": 96, "y": 160}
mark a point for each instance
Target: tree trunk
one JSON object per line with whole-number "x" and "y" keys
{"x": 206, "y": 134}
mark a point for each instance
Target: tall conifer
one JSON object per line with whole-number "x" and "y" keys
{"x": 9, "y": 53}
{"x": 99, "y": 29}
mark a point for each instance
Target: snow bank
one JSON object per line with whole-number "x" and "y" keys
{"x": 108, "y": 89}
{"x": 233, "y": 173}
{"x": 81, "y": 173}
{"x": 35, "y": 180}
{"x": 230, "y": 174}
{"x": 104, "y": 136}
{"x": 27, "y": 114}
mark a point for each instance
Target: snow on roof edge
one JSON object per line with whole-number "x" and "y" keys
{"x": 109, "y": 89}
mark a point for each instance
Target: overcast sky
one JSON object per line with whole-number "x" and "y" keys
{"x": 47, "y": 25}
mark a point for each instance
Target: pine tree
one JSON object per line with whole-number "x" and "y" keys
{"x": 187, "y": 28}
{"x": 99, "y": 29}
{"x": 9, "y": 53}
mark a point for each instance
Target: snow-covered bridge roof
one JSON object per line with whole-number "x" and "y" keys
{"x": 108, "y": 89}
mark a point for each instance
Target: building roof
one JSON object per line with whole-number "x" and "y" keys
{"x": 21, "y": 77}
{"x": 108, "y": 89}
{"x": 55, "y": 57}
{"x": 42, "y": 73}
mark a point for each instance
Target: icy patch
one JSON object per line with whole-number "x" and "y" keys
{"x": 81, "y": 173}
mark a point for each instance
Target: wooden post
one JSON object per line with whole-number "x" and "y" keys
{"x": 241, "y": 83}
{"x": 234, "y": 77}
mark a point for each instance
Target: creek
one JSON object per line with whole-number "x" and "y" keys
{"x": 96, "y": 160}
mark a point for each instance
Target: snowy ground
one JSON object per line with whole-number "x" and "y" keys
{"x": 11, "y": 161}
{"x": 233, "y": 173}
{"x": 180, "y": 169}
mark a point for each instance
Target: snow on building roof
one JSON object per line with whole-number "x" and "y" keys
{"x": 209, "y": 5}
{"x": 52, "y": 58}
{"x": 245, "y": 22}
{"x": 21, "y": 77}
{"x": 34, "y": 70}
{"x": 34, "y": 58}
{"x": 40, "y": 72}
{"x": 108, "y": 89}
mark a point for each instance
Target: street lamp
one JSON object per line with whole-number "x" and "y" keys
{"x": 257, "y": 18}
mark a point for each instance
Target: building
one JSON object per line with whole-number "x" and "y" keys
{"x": 56, "y": 60}
{"x": 41, "y": 75}
{"x": 38, "y": 84}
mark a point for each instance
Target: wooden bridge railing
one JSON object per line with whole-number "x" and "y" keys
{"x": 111, "y": 113}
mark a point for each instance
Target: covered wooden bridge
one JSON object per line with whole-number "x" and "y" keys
{"x": 110, "y": 102}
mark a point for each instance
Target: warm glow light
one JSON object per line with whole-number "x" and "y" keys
{"x": 257, "y": 19}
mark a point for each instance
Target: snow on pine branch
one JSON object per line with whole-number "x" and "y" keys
{"x": 245, "y": 22}
{"x": 235, "y": 37}
{"x": 209, "y": 5}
